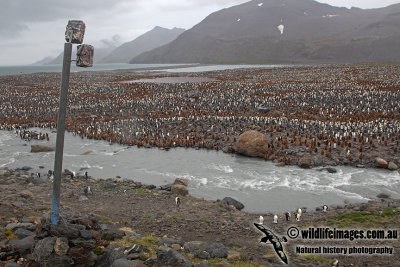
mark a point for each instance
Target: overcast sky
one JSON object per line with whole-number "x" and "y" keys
{"x": 33, "y": 29}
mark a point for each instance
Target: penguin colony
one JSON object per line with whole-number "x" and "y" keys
{"x": 340, "y": 113}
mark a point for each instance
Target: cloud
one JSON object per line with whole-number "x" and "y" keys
{"x": 15, "y": 15}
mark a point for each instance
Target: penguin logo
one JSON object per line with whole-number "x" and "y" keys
{"x": 275, "y": 241}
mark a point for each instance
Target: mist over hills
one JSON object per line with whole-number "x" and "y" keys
{"x": 286, "y": 31}
{"x": 158, "y": 36}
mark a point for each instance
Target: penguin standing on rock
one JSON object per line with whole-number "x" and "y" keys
{"x": 177, "y": 202}
{"x": 87, "y": 190}
{"x": 325, "y": 208}
{"x": 275, "y": 218}
{"x": 287, "y": 215}
{"x": 261, "y": 220}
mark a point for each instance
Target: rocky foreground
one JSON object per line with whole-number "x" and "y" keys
{"x": 126, "y": 223}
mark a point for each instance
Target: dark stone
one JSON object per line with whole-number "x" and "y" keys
{"x": 383, "y": 195}
{"x": 83, "y": 243}
{"x": 108, "y": 257}
{"x": 111, "y": 234}
{"x": 169, "y": 241}
{"x": 110, "y": 185}
{"x": 22, "y": 233}
{"x": 55, "y": 260}
{"x": 166, "y": 187}
{"x": 44, "y": 248}
{"x": 329, "y": 169}
{"x": 64, "y": 230}
{"x": 227, "y": 201}
{"x": 151, "y": 187}
{"x": 170, "y": 257}
{"x": 122, "y": 263}
{"x": 86, "y": 234}
{"x": 82, "y": 256}
{"x": 22, "y": 245}
{"x": 217, "y": 251}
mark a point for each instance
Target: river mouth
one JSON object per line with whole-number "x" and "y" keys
{"x": 258, "y": 184}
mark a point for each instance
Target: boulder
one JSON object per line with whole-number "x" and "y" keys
{"x": 392, "y": 166}
{"x": 217, "y": 251}
{"x": 111, "y": 234}
{"x": 61, "y": 246}
{"x": 122, "y": 263}
{"x": 227, "y": 201}
{"x": 329, "y": 169}
{"x": 22, "y": 245}
{"x": 181, "y": 181}
{"x": 305, "y": 162}
{"x": 44, "y": 248}
{"x": 382, "y": 195}
{"x": 179, "y": 189}
{"x": 381, "y": 163}
{"x": 252, "y": 143}
{"x": 169, "y": 257}
{"x": 41, "y": 148}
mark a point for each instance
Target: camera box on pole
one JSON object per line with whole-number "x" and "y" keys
{"x": 75, "y": 31}
{"x": 84, "y": 56}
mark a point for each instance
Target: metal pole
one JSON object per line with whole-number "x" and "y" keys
{"x": 62, "y": 110}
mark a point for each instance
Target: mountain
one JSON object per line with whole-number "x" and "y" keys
{"x": 286, "y": 31}
{"x": 43, "y": 61}
{"x": 156, "y": 37}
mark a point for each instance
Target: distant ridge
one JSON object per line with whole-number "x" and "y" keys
{"x": 286, "y": 31}
{"x": 158, "y": 36}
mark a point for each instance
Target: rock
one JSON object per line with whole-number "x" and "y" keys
{"x": 227, "y": 201}
{"x": 392, "y": 166}
{"x": 55, "y": 260}
{"x": 280, "y": 164}
{"x": 44, "y": 248}
{"x": 252, "y": 143}
{"x": 383, "y": 195}
{"x": 168, "y": 242}
{"x": 122, "y": 263}
{"x": 22, "y": 233}
{"x": 111, "y": 234}
{"x": 41, "y": 148}
{"x": 3, "y": 172}
{"x": 179, "y": 189}
{"x": 61, "y": 246}
{"x": 197, "y": 249}
{"x": 381, "y": 163}
{"x": 305, "y": 162}
{"x": 64, "y": 230}
{"x": 86, "y": 234}
{"x": 176, "y": 247}
{"x": 108, "y": 257}
{"x": 170, "y": 257}
{"x": 217, "y": 251}
{"x": 329, "y": 169}
{"x": 110, "y": 185}
{"x": 22, "y": 245}
{"x": 27, "y": 226}
{"x": 12, "y": 264}
{"x": 26, "y": 194}
{"x": 181, "y": 181}
{"x": 83, "y": 198}
{"x": 166, "y": 187}
{"x": 82, "y": 256}
{"x": 83, "y": 243}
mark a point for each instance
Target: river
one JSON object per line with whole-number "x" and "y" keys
{"x": 259, "y": 185}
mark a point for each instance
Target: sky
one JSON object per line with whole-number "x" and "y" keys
{"x": 30, "y": 30}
